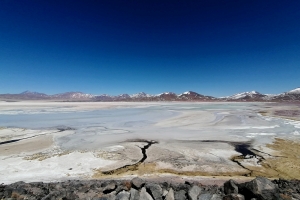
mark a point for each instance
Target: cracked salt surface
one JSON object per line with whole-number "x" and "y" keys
{"x": 100, "y": 128}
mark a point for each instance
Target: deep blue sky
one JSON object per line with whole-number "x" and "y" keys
{"x": 213, "y": 47}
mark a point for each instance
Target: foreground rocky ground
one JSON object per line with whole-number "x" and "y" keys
{"x": 138, "y": 189}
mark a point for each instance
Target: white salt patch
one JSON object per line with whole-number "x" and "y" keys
{"x": 115, "y": 148}
{"x": 255, "y": 127}
{"x": 261, "y": 133}
{"x": 73, "y": 165}
{"x": 296, "y": 133}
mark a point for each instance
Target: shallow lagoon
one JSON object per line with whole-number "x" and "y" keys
{"x": 160, "y": 121}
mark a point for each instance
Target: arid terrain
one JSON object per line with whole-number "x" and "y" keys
{"x": 54, "y": 141}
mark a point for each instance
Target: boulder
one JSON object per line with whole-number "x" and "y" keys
{"x": 155, "y": 190}
{"x": 110, "y": 196}
{"x": 123, "y": 185}
{"x": 259, "y": 188}
{"x": 234, "y": 197}
{"x": 164, "y": 192}
{"x": 181, "y": 186}
{"x": 230, "y": 187}
{"x": 108, "y": 186}
{"x": 137, "y": 182}
{"x": 144, "y": 195}
{"x": 170, "y": 195}
{"x": 123, "y": 195}
{"x": 194, "y": 192}
{"x": 208, "y": 196}
{"x": 134, "y": 194}
{"x": 179, "y": 195}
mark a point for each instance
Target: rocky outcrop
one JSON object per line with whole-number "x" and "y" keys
{"x": 139, "y": 189}
{"x": 259, "y": 188}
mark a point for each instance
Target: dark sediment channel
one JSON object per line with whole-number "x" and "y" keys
{"x": 243, "y": 148}
{"x": 61, "y": 129}
{"x": 132, "y": 167}
{"x": 10, "y": 141}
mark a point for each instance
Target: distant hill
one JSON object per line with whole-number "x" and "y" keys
{"x": 289, "y": 96}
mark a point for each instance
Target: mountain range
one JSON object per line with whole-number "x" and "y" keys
{"x": 290, "y": 96}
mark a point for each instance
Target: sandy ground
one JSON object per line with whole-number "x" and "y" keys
{"x": 36, "y": 144}
{"x": 181, "y": 130}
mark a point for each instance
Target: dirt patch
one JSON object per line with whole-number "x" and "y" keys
{"x": 43, "y": 156}
{"x": 288, "y": 164}
{"x": 286, "y": 111}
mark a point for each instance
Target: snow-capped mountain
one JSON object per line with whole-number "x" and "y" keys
{"x": 166, "y": 96}
{"x": 123, "y": 96}
{"x": 294, "y": 91}
{"x": 72, "y": 95}
{"x": 103, "y": 97}
{"x": 253, "y": 95}
{"x": 190, "y": 95}
{"x": 290, "y": 96}
{"x": 140, "y": 95}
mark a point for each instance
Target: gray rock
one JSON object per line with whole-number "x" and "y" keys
{"x": 205, "y": 196}
{"x": 180, "y": 195}
{"x": 170, "y": 195}
{"x": 164, "y": 192}
{"x": 137, "y": 182}
{"x": 134, "y": 194}
{"x": 165, "y": 185}
{"x": 155, "y": 190}
{"x": 181, "y": 186}
{"x": 110, "y": 196}
{"x": 260, "y": 188}
{"x": 123, "y": 185}
{"x": 216, "y": 197}
{"x": 144, "y": 195}
{"x": 234, "y": 197}
{"x": 108, "y": 186}
{"x": 230, "y": 187}
{"x": 194, "y": 192}
{"x": 99, "y": 198}
{"x": 123, "y": 195}
{"x": 208, "y": 196}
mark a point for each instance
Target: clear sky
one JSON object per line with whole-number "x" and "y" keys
{"x": 213, "y": 47}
